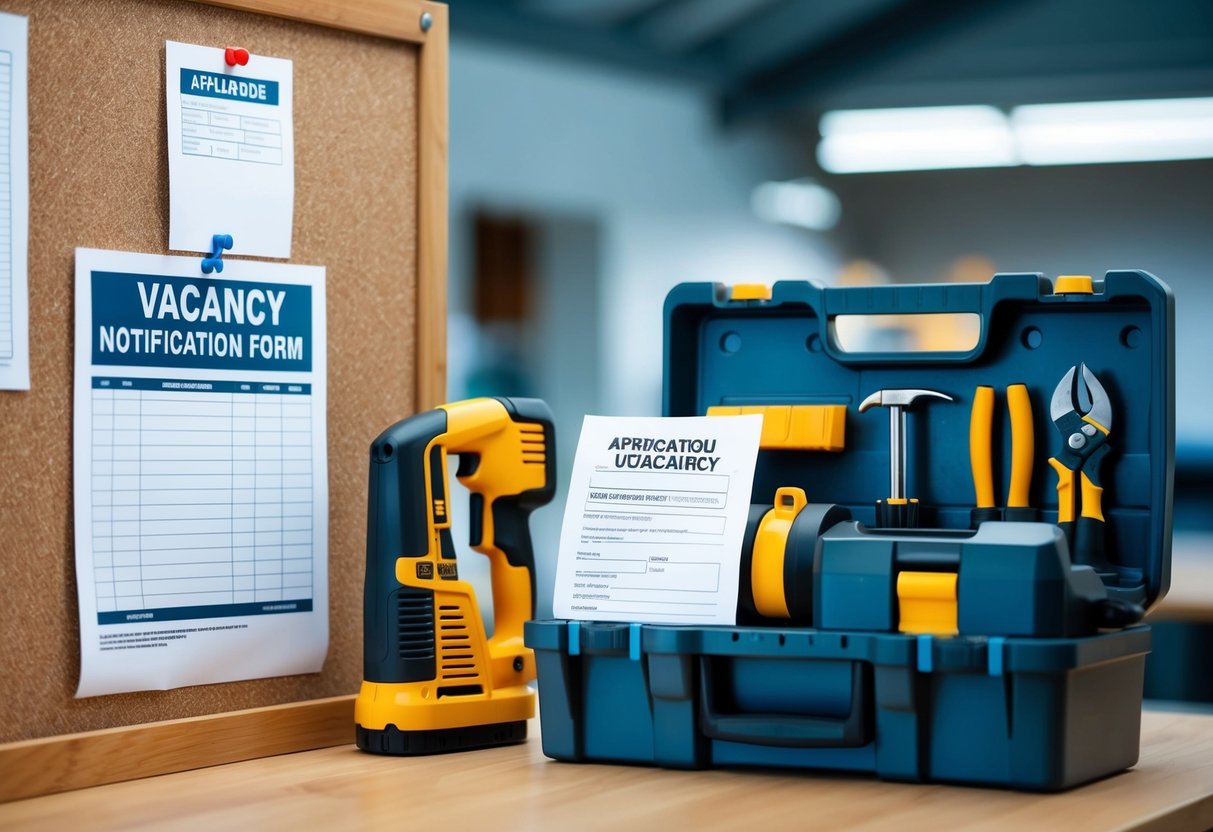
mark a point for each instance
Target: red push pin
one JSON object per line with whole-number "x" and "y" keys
{"x": 235, "y": 55}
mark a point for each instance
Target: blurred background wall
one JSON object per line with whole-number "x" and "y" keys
{"x": 605, "y": 188}
{"x": 604, "y": 150}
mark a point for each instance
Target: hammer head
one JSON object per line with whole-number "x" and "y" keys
{"x": 899, "y": 398}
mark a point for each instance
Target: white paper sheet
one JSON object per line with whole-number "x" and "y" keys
{"x": 656, "y": 512}
{"x": 231, "y": 151}
{"x": 14, "y": 203}
{"x": 201, "y": 471}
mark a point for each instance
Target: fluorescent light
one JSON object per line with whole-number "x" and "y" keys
{"x": 1114, "y": 131}
{"x": 934, "y": 138}
{"x": 915, "y": 138}
{"x": 802, "y": 203}
{"x": 910, "y": 119}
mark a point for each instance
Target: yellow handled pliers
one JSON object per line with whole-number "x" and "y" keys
{"x": 1084, "y": 444}
{"x": 981, "y": 455}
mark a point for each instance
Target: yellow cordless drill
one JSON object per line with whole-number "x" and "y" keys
{"x": 432, "y": 680}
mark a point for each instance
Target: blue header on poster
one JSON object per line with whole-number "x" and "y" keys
{"x": 197, "y": 322}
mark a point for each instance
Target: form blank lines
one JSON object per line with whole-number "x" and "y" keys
{"x": 201, "y": 498}
{"x": 6, "y": 202}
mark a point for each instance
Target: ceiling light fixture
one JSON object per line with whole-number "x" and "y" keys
{"x": 935, "y": 138}
{"x": 915, "y": 138}
{"x": 1114, "y": 131}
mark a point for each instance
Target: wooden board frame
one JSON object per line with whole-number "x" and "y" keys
{"x": 59, "y": 763}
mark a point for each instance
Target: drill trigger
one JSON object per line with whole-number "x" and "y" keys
{"x": 468, "y": 463}
{"x": 476, "y": 512}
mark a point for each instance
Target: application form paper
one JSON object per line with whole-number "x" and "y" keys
{"x": 656, "y": 512}
{"x": 14, "y": 203}
{"x": 231, "y": 151}
{"x": 201, "y": 471}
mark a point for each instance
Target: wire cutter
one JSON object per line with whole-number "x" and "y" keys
{"x": 1084, "y": 444}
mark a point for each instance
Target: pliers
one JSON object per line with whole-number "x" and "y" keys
{"x": 1084, "y": 444}
{"x": 981, "y": 456}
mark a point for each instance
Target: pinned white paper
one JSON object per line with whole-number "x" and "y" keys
{"x": 655, "y": 517}
{"x": 231, "y": 151}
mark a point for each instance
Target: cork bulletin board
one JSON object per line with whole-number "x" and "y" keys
{"x": 370, "y": 206}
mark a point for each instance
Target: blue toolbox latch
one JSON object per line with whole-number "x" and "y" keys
{"x": 574, "y": 638}
{"x": 634, "y": 642}
{"x": 924, "y": 653}
{"x": 994, "y": 655}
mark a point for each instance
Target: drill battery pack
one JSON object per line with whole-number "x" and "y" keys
{"x": 949, "y": 553}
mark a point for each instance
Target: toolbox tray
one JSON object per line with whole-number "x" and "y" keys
{"x": 1008, "y": 704}
{"x": 1036, "y": 714}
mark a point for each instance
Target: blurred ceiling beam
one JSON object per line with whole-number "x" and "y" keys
{"x": 1049, "y": 85}
{"x": 611, "y": 12}
{"x": 508, "y": 23}
{"x": 884, "y": 35}
{"x": 782, "y": 30}
{"x": 688, "y": 24}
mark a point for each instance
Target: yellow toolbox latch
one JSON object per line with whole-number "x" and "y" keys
{"x": 1073, "y": 284}
{"x": 750, "y": 291}
{"x": 928, "y": 603}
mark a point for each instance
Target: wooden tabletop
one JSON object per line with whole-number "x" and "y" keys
{"x": 518, "y": 788}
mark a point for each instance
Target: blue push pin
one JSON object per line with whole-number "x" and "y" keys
{"x": 219, "y": 244}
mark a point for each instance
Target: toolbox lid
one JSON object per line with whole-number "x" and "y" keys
{"x": 741, "y": 350}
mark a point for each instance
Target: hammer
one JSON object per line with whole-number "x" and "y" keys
{"x": 898, "y": 512}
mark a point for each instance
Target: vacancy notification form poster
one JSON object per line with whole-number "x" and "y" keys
{"x": 201, "y": 471}
{"x": 231, "y": 151}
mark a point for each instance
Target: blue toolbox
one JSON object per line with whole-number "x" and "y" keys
{"x": 896, "y": 613}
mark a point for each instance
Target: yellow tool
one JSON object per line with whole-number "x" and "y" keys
{"x": 432, "y": 680}
{"x": 777, "y": 553}
{"x": 795, "y": 427}
{"x": 1084, "y": 446}
{"x": 770, "y": 552}
{"x": 981, "y": 455}
{"x": 1023, "y": 453}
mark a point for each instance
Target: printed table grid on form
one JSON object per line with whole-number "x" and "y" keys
{"x": 6, "y": 206}
{"x": 672, "y": 522}
{"x": 202, "y": 499}
{"x": 209, "y": 128}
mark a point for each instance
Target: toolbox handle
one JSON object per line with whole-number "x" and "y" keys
{"x": 928, "y": 299}
{"x": 908, "y": 298}
{"x": 784, "y": 730}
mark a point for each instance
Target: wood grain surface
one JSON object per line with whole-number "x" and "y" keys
{"x": 1171, "y": 788}
{"x": 75, "y": 761}
{"x": 98, "y": 178}
{"x": 399, "y": 19}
